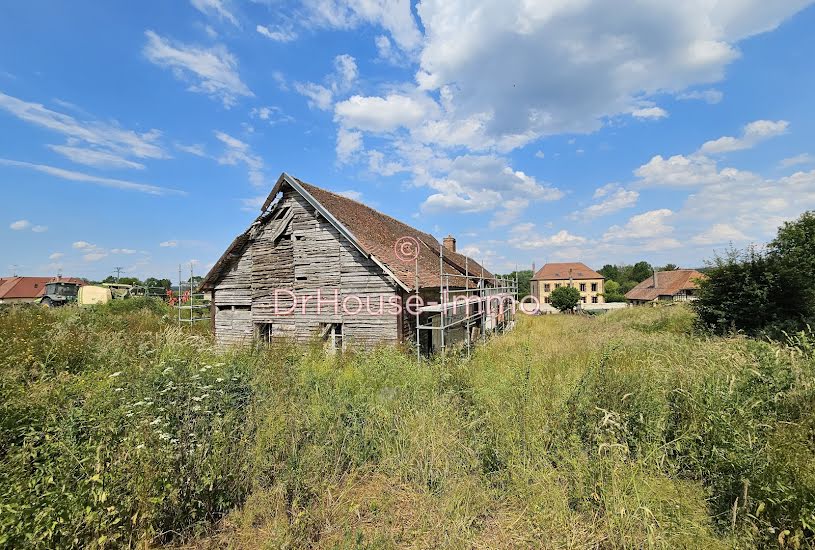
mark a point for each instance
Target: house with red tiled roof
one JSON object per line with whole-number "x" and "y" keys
{"x": 26, "y": 289}
{"x": 679, "y": 285}
{"x": 315, "y": 263}
{"x": 588, "y": 282}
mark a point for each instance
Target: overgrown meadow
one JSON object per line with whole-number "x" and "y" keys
{"x": 625, "y": 430}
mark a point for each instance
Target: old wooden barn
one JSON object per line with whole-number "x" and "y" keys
{"x": 315, "y": 264}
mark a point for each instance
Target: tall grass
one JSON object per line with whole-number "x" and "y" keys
{"x": 619, "y": 431}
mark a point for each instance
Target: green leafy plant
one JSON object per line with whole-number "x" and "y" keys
{"x": 565, "y": 298}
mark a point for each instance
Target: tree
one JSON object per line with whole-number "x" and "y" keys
{"x": 158, "y": 283}
{"x": 641, "y": 271}
{"x": 565, "y": 298}
{"x": 613, "y": 292}
{"x": 627, "y": 285}
{"x": 122, "y": 280}
{"x": 793, "y": 251}
{"x": 763, "y": 293}
{"x": 524, "y": 278}
{"x": 610, "y": 272}
{"x": 668, "y": 267}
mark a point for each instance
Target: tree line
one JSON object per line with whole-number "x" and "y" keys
{"x": 767, "y": 291}
{"x": 152, "y": 282}
{"x": 622, "y": 278}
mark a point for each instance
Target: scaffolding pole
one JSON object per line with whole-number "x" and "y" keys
{"x": 467, "y": 283}
{"x": 441, "y": 298}
{"x": 192, "y": 307}
{"x": 416, "y": 305}
{"x": 474, "y": 290}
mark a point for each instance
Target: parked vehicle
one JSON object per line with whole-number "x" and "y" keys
{"x": 59, "y": 293}
{"x": 119, "y": 291}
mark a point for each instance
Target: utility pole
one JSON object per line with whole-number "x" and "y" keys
{"x": 118, "y": 271}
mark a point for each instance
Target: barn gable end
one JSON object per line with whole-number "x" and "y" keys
{"x": 294, "y": 249}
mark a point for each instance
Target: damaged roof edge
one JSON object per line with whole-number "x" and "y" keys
{"x": 209, "y": 281}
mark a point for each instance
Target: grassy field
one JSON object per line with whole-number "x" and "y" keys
{"x": 619, "y": 431}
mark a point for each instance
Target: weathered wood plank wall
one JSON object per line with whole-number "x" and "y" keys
{"x": 299, "y": 251}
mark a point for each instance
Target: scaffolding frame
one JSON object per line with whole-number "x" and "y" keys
{"x": 475, "y": 292}
{"x": 192, "y": 307}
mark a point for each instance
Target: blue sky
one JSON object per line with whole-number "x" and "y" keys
{"x": 145, "y": 135}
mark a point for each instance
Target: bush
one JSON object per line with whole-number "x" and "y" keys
{"x": 110, "y": 437}
{"x": 763, "y": 293}
{"x": 613, "y": 292}
{"x": 565, "y": 298}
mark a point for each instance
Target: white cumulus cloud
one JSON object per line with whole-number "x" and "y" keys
{"x": 649, "y": 112}
{"x": 753, "y": 133}
{"x": 719, "y": 233}
{"x": 614, "y": 197}
{"x": 340, "y": 81}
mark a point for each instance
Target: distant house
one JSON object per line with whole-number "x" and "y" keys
{"x": 678, "y": 285}
{"x": 311, "y": 250}
{"x": 588, "y": 282}
{"x": 15, "y": 290}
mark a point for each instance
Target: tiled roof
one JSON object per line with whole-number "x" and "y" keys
{"x": 565, "y": 271}
{"x": 377, "y": 234}
{"x": 28, "y": 287}
{"x": 668, "y": 283}
{"x": 23, "y": 287}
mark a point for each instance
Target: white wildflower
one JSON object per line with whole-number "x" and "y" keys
{"x": 115, "y": 374}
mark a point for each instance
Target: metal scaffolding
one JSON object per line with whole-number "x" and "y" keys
{"x": 473, "y": 302}
{"x": 186, "y": 300}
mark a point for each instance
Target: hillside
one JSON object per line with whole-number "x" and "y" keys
{"x": 617, "y": 431}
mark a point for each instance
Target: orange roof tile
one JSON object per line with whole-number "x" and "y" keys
{"x": 565, "y": 270}
{"x": 668, "y": 283}
{"x": 377, "y": 234}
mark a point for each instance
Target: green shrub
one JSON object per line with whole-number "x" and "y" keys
{"x": 763, "y": 293}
